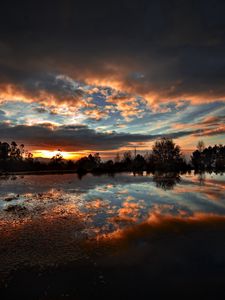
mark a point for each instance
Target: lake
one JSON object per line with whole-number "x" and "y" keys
{"x": 109, "y": 235}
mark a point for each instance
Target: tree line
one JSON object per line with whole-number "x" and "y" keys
{"x": 165, "y": 156}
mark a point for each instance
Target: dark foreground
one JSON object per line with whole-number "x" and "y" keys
{"x": 121, "y": 237}
{"x": 170, "y": 257}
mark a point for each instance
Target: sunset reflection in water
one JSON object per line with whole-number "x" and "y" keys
{"x": 55, "y": 221}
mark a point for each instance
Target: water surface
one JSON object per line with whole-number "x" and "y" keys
{"x": 112, "y": 202}
{"x": 63, "y": 221}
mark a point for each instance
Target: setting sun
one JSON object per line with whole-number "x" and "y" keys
{"x": 51, "y": 153}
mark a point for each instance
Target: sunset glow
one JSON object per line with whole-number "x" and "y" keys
{"x": 50, "y": 154}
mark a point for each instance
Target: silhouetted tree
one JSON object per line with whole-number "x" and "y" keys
{"x": 200, "y": 146}
{"x": 13, "y": 150}
{"x": 56, "y": 161}
{"x": 109, "y": 164}
{"x": 4, "y": 150}
{"x": 210, "y": 158}
{"x": 117, "y": 158}
{"x": 28, "y": 156}
{"x": 88, "y": 164}
{"x": 97, "y": 159}
{"x": 127, "y": 157}
{"x": 167, "y": 155}
{"x": 58, "y": 158}
{"x": 16, "y": 153}
{"x": 70, "y": 165}
{"x": 139, "y": 163}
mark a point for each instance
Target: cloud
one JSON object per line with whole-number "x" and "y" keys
{"x": 96, "y": 114}
{"x": 159, "y": 50}
{"x": 206, "y": 126}
{"x": 128, "y": 106}
{"x": 212, "y": 131}
{"x": 213, "y": 120}
{"x": 40, "y": 110}
{"x": 73, "y": 137}
{"x": 46, "y": 88}
{"x": 3, "y": 117}
{"x": 2, "y": 113}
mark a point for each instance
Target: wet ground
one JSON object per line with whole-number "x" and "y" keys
{"x": 112, "y": 237}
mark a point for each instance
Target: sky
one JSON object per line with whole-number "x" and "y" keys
{"x": 108, "y": 76}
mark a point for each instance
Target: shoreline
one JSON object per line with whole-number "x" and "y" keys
{"x": 38, "y": 172}
{"x": 58, "y": 172}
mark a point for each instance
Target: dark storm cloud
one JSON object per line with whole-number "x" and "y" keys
{"x": 73, "y": 137}
{"x": 35, "y": 84}
{"x": 177, "y": 46}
